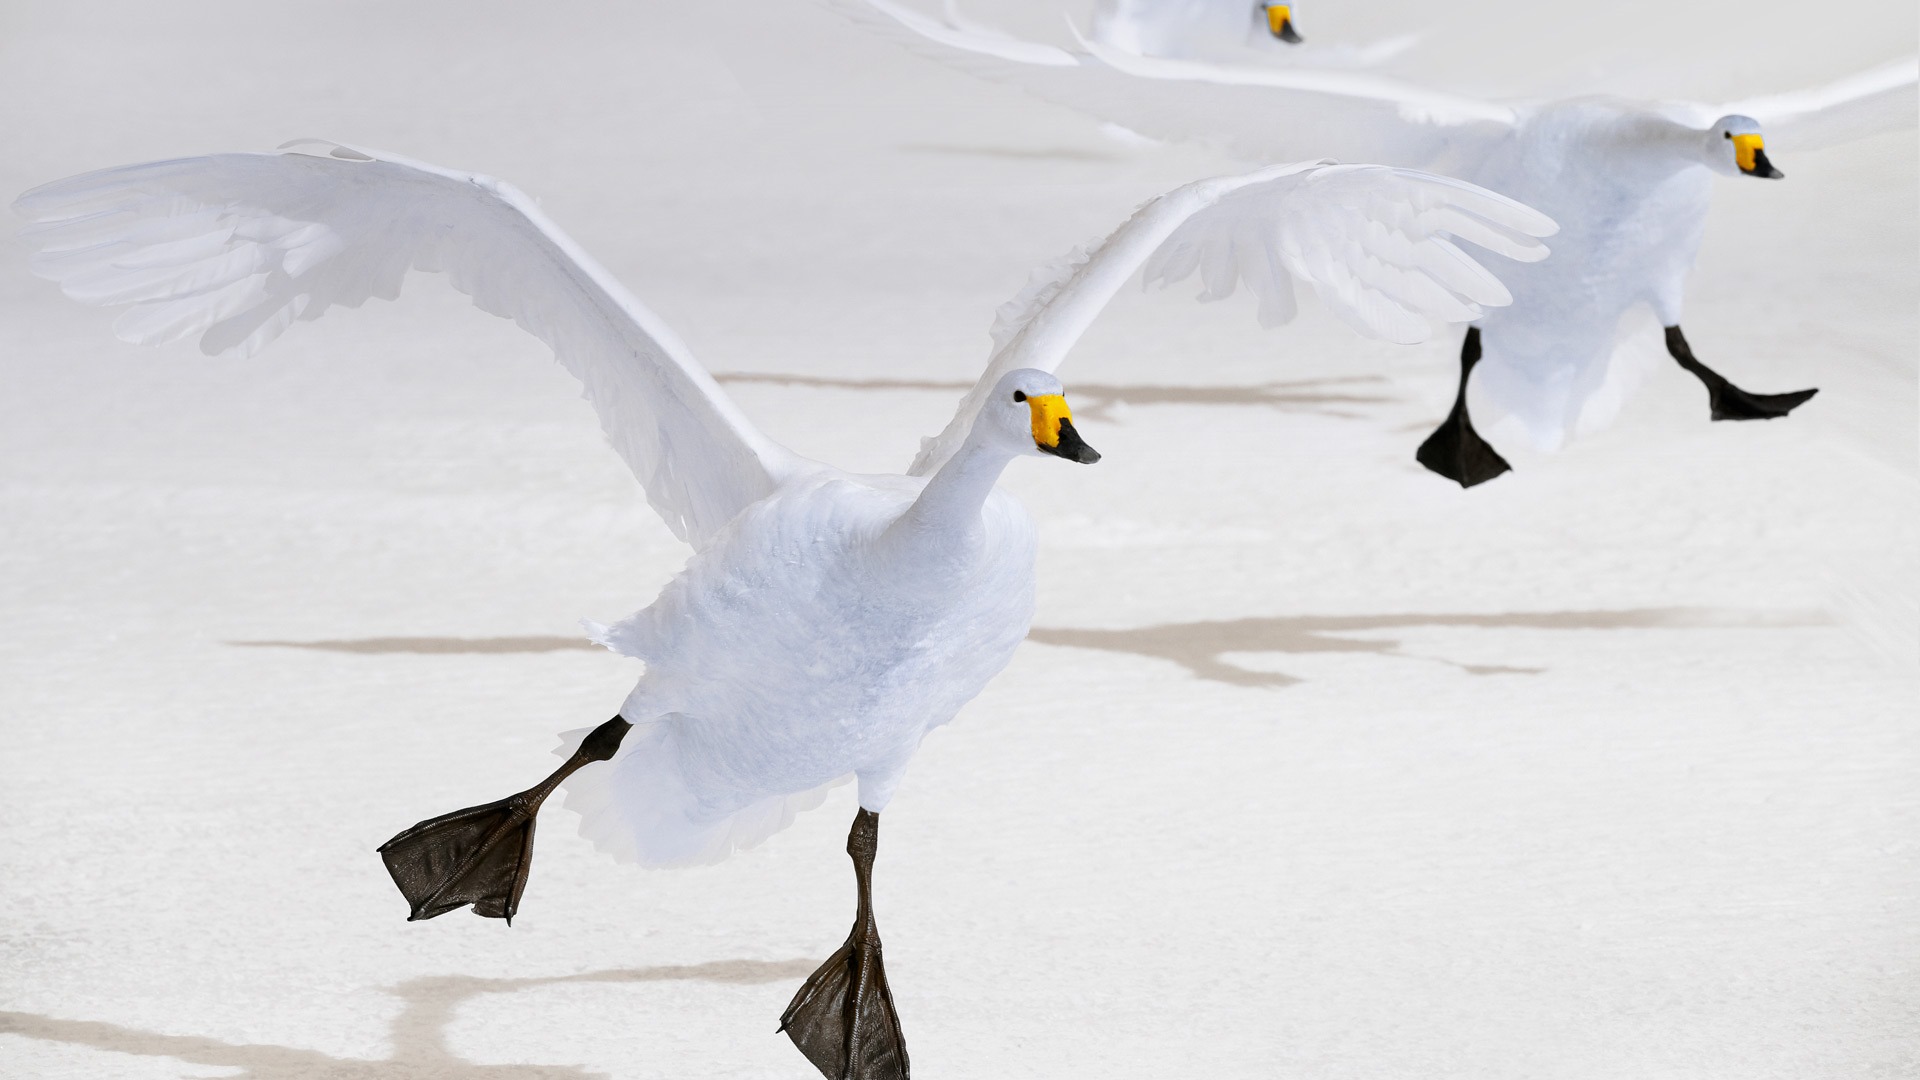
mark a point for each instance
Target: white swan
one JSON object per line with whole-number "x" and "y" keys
{"x": 1182, "y": 29}
{"x": 1241, "y": 31}
{"x": 1628, "y": 181}
{"x": 827, "y": 621}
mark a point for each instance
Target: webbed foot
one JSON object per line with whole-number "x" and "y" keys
{"x": 843, "y": 1018}
{"x": 481, "y": 855}
{"x": 1455, "y": 450}
{"x": 1728, "y": 401}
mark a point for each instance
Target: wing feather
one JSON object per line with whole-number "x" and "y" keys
{"x": 1257, "y": 113}
{"x": 235, "y": 248}
{"x": 1374, "y": 243}
{"x": 1868, "y": 103}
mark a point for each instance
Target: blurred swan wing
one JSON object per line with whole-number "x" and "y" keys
{"x": 1375, "y": 244}
{"x": 1879, "y": 99}
{"x": 234, "y": 248}
{"x": 1259, "y": 113}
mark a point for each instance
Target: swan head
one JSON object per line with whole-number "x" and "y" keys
{"x": 1280, "y": 22}
{"x": 1027, "y": 414}
{"x": 1735, "y": 147}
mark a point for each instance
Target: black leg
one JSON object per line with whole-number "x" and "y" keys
{"x": 1455, "y": 450}
{"x": 843, "y": 1018}
{"x": 1728, "y": 401}
{"x": 481, "y": 855}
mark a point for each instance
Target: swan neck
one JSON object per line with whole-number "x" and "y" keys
{"x": 1678, "y": 145}
{"x": 947, "y": 512}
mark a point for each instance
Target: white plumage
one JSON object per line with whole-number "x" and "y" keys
{"x": 1179, "y": 28}
{"x": 1239, "y": 31}
{"x": 1628, "y": 181}
{"x": 827, "y": 620}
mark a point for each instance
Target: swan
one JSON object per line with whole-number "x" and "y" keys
{"x": 1189, "y": 28}
{"x": 1228, "y": 31}
{"x": 1628, "y": 181}
{"x": 826, "y": 620}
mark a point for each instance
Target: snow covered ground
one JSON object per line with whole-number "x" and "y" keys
{"x": 1315, "y": 767}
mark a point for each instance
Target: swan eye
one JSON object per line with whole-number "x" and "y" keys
{"x": 1726, "y": 134}
{"x": 1019, "y": 395}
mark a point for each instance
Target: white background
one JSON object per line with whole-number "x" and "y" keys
{"x": 1316, "y": 767}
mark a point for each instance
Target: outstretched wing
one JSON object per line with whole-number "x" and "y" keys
{"x": 1375, "y": 244}
{"x": 1257, "y": 113}
{"x": 233, "y": 248}
{"x": 1879, "y": 99}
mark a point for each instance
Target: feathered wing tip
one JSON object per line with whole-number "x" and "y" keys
{"x": 1863, "y": 104}
{"x": 639, "y": 808}
{"x": 1376, "y": 244}
{"x": 1379, "y": 246}
{"x": 324, "y": 148}
{"x": 235, "y": 248}
{"x": 167, "y": 238}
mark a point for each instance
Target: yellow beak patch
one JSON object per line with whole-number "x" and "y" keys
{"x": 1277, "y": 16}
{"x": 1744, "y": 147}
{"x": 1048, "y": 410}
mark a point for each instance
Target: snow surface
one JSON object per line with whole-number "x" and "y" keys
{"x": 1315, "y": 767}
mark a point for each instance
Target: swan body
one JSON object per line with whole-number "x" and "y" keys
{"x": 826, "y": 631}
{"x": 1628, "y": 182}
{"x": 1630, "y": 190}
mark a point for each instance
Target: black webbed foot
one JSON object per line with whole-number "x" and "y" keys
{"x": 1728, "y": 401}
{"x": 1455, "y": 450}
{"x": 843, "y": 1018}
{"x": 481, "y": 855}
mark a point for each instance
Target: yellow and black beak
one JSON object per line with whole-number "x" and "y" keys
{"x": 1750, "y": 153}
{"x": 1280, "y": 23}
{"x": 1053, "y": 430}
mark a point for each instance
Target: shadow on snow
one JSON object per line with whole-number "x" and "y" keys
{"x": 1203, "y": 647}
{"x": 418, "y": 1034}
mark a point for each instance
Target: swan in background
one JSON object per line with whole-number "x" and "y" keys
{"x": 1628, "y": 181}
{"x": 1244, "y": 31}
{"x": 1184, "y": 29}
{"x": 826, "y": 620}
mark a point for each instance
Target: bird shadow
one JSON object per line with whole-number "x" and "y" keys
{"x": 418, "y": 1033}
{"x": 447, "y": 646}
{"x": 1203, "y": 647}
{"x": 1329, "y": 396}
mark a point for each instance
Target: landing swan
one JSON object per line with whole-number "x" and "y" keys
{"x": 827, "y": 620}
{"x": 1628, "y": 181}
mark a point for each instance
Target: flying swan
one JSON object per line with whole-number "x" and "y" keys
{"x": 826, "y": 620}
{"x": 1185, "y": 28}
{"x": 1236, "y": 31}
{"x": 1628, "y": 181}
